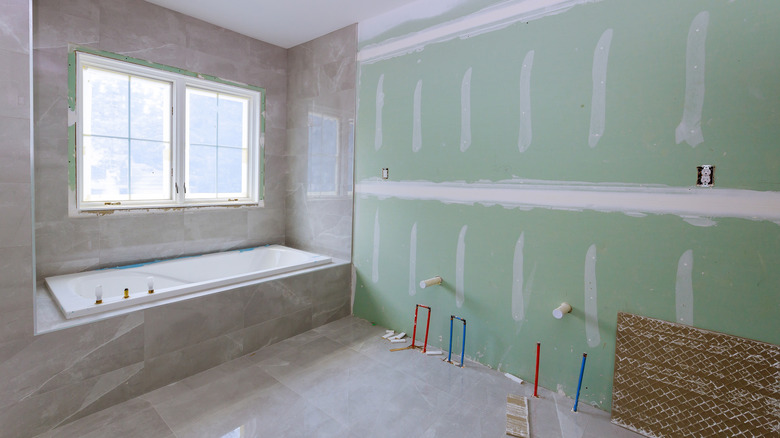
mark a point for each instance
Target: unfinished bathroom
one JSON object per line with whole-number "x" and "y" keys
{"x": 419, "y": 218}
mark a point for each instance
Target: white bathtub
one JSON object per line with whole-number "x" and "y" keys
{"x": 75, "y": 293}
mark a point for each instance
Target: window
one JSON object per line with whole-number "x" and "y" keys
{"x": 151, "y": 136}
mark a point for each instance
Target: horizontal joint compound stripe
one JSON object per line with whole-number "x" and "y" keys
{"x": 686, "y": 202}
{"x": 486, "y": 20}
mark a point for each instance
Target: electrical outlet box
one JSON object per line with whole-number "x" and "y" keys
{"x": 705, "y": 176}
{"x": 385, "y": 173}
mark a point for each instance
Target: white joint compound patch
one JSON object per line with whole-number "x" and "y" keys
{"x": 375, "y": 259}
{"x": 526, "y": 135}
{"x": 465, "y": 111}
{"x": 417, "y": 115}
{"x": 582, "y": 196}
{"x": 380, "y": 103}
{"x": 489, "y": 19}
{"x": 518, "y": 305}
{"x": 689, "y": 129}
{"x": 460, "y": 262}
{"x": 591, "y": 299}
{"x": 683, "y": 289}
{"x": 598, "y": 103}
{"x": 413, "y": 261}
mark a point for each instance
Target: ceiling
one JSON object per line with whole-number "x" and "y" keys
{"x": 284, "y": 23}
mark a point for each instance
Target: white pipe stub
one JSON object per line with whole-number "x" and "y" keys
{"x": 430, "y": 282}
{"x": 561, "y": 310}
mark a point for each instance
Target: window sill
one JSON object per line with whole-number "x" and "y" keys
{"x": 141, "y": 210}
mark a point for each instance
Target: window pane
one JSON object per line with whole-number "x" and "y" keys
{"x": 150, "y": 103}
{"x": 105, "y": 103}
{"x": 202, "y": 171}
{"x": 217, "y": 139}
{"x": 105, "y": 169}
{"x": 149, "y": 164}
{"x": 202, "y": 117}
{"x": 231, "y": 126}
{"x": 231, "y": 171}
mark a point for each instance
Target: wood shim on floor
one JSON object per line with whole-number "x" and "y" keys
{"x": 675, "y": 380}
{"x": 517, "y": 416}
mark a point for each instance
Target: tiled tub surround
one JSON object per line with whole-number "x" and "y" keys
{"x": 321, "y": 82}
{"x": 70, "y": 373}
{"x": 95, "y": 292}
{"x": 145, "y": 31}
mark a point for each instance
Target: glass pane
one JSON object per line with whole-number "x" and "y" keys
{"x": 150, "y": 109}
{"x": 202, "y": 117}
{"x": 149, "y": 174}
{"x": 231, "y": 125}
{"x": 105, "y": 169}
{"x": 202, "y": 171}
{"x": 105, "y": 108}
{"x": 231, "y": 171}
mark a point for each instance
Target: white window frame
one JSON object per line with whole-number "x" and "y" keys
{"x": 180, "y": 82}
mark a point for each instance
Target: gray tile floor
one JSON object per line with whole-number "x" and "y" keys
{"x": 339, "y": 380}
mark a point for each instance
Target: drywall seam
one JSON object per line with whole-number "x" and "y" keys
{"x": 413, "y": 261}
{"x": 561, "y": 195}
{"x": 598, "y": 103}
{"x": 460, "y": 262}
{"x": 465, "y": 111}
{"x": 380, "y": 103}
{"x": 417, "y": 10}
{"x": 487, "y": 20}
{"x": 518, "y": 304}
{"x": 417, "y": 115}
{"x": 689, "y": 129}
{"x": 375, "y": 258}
{"x": 591, "y": 299}
{"x": 525, "y": 136}
{"x": 683, "y": 288}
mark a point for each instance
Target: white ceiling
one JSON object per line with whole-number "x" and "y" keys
{"x": 284, "y": 23}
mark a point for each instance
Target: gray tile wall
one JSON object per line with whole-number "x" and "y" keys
{"x": 16, "y": 247}
{"x": 146, "y": 31}
{"x": 321, "y": 79}
{"x": 57, "y": 377}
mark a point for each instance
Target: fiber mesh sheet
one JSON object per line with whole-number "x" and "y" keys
{"x": 673, "y": 380}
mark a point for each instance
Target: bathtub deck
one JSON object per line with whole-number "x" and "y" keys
{"x": 339, "y": 380}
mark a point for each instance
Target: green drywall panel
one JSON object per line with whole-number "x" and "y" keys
{"x": 734, "y": 283}
{"x": 644, "y": 99}
{"x": 734, "y": 277}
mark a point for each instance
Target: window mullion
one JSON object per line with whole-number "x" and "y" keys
{"x": 179, "y": 144}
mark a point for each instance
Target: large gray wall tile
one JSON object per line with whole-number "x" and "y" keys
{"x": 15, "y": 86}
{"x": 179, "y": 364}
{"x": 275, "y": 330}
{"x": 175, "y": 326}
{"x": 14, "y": 149}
